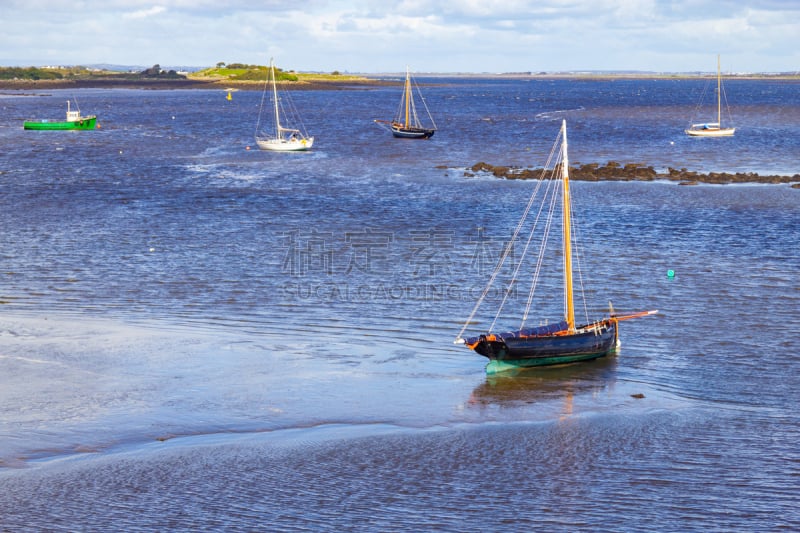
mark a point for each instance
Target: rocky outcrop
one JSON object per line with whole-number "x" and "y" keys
{"x": 614, "y": 171}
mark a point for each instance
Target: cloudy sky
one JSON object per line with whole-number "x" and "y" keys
{"x": 428, "y": 35}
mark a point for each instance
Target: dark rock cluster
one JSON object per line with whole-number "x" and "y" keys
{"x": 614, "y": 171}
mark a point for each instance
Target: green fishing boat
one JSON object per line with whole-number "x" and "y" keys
{"x": 74, "y": 121}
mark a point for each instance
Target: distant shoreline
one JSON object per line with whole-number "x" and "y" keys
{"x": 189, "y": 83}
{"x": 310, "y": 82}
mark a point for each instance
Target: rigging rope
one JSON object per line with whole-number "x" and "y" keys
{"x": 515, "y": 274}
{"x": 290, "y": 113}
{"x": 579, "y": 254}
{"x": 424, "y": 103}
{"x": 700, "y": 103}
{"x": 543, "y": 247}
{"x": 293, "y": 115}
{"x": 727, "y": 107}
{"x": 510, "y": 244}
{"x": 261, "y": 105}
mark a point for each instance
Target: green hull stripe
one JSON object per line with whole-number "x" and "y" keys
{"x": 495, "y": 366}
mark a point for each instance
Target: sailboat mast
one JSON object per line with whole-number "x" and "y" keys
{"x": 408, "y": 95}
{"x": 719, "y": 96}
{"x": 275, "y": 98}
{"x": 568, "y": 297}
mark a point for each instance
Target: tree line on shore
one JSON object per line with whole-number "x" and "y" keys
{"x": 231, "y": 71}
{"x": 82, "y": 73}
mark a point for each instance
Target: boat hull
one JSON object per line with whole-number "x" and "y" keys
{"x": 284, "y": 145}
{"x": 413, "y": 133}
{"x": 84, "y": 123}
{"x": 710, "y": 132}
{"x": 506, "y": 353}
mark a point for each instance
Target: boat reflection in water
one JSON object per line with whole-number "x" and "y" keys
{"x": 536, "y": 386}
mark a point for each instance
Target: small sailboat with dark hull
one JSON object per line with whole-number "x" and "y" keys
{"x": 406, "y": 123}
{"x": 549, "y": 345}
{"x": 564, "y": 341}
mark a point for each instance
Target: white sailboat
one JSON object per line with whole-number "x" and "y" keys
{"x": 713, "y": 129}
{"x": 280, "y": 138}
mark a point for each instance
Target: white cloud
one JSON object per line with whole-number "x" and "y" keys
{"x": 144, "y": 13}
{"x": 431, "y": 35}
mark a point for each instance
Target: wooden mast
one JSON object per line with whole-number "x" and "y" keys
{"x": 569, "y": 306}
{"x": 719, "y": 96}
{"x": 407, "y": 95}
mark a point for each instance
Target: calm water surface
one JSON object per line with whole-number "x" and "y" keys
{"x": 198, "y": 336}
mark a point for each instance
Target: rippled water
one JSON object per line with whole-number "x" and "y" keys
{"x": 194, "y": 335}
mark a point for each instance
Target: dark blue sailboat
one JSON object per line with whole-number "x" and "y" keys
{"x": 406, "y": 124}
{"x": 564, "y": 341}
